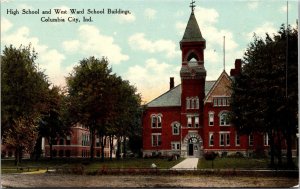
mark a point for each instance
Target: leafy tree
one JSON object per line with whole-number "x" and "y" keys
{"x": 24, "y": 88}
{"x": 261, "y": 101}
{"x": 88, "y": 97}
{"x": 54, "y": 122}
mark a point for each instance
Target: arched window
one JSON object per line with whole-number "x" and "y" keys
{"x": 224, "y": 119}
{"x": 159, "y": 121}
{"x": 175, "y": 129}
{"x": 211, "y": 139}
{"x": 153, "y": 121}
{"x": 188, "y": 103}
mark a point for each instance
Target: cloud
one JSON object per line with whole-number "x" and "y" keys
{"x": 152, "y": 78}
{"x": 122, "y": 18}
{"x": 283, "y": 9}
{"x": 252, "y": 5}
{"x": 139, "y": 42}
{"x": 92, "y": 43}
{"x": 71, "y": 46}
{"x": 49, "y": 60}
{"x": 5, "y": 24}
{"x": 261, "y": 31}
{"x": 150, "y": 13}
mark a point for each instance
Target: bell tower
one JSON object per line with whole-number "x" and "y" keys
{"x": 192, "y": 76}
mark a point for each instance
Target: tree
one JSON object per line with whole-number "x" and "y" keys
{"x": 87, "y": 96}
{"x": 261, "y": 100}
{"x": 54, "y": 121}
{"x": 23, "y": 88}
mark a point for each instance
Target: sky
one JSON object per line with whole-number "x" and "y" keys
{"x": 141, "y": 46}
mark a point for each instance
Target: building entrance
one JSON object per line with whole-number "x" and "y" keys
{"x": 191, "y": 149}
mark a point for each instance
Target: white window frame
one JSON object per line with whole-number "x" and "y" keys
{"x": 155, "y": 139}
{"x": 159, "y": 121}
{"x": 266, "y": 139}
{"x": 211, "y": 139}
{"x": 237, "y": 139}
{"x": 153, "y": 121}
{"x": 224, "y": 119}
{"x": 176, "y": 124}
{"x": 189, "y": 121}
{"x": 251, "y": 139}
{"x": 211, "y": 118}
{"x": 188, "y": 103}
{"x": 226, "y": 138}
{"x": 175, "y": 145}
{"x": 196, "y": 121}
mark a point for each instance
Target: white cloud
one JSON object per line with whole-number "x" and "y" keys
{"x": 252, "y": 5}
{"x": 261, "y": 31}
{"x": 49, "y": 60}
{"x": 24, "y": 6}
{"x": 139, "y": 42}
{"x": 150, "y": 13}
{"x": 283, "y": 9}
{"x": 152, "y": 78}
{"x": 180, "y": 26}
{"x": 126, "y": 18}
{"x": 92, "y": 43}
{"x": 71, "y": 46}
{"x": 5, "y": 25}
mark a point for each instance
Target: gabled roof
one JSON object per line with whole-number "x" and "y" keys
{"x": 172, "y": 98}
{"x": 220, "y": 86}
{"x": 192, "y": 31}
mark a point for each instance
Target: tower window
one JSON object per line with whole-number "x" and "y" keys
{"x": 196, "y": 121}
{"x": 189, "y": 122}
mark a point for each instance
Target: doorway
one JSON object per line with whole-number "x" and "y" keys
{"x": 191, "y": 149}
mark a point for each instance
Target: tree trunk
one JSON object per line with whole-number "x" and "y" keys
{"x": 92, "y": 137}
{"x": 111, "y": 145}
{"x": 124, "y": 147}
{"x": 279, "y": 154}
{"x": 103, "y": 143}
{"x": 272, "y": 149}
{"x": 289, "y": 157}
{"x": 118, "y": 153}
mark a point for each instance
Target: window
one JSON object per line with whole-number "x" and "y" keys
{"x": 156, "y": 121}
{"x": 175, "y": 129}
{"x": 221, "y": 139}
{"x": 224, "y": 121}
{"x": 211, "y": 118}
{"x": 197, "y": 103}
{"x": 224, "y": 139}
{"x": 61, "y": 141}
{"x": 266, "y": 139}
{"x": 159, "y": 121}
{"x": 237, "y": 139}
{"x": 251, "y": 139}
{"x": 156, "y": 139}
{"x": 189, "y": 122}
{"x": 196, "y": 121}
{"x": 221, "y": 101}
{"x": 188, "y": 105}
{"x": 175, "y": 145}
{"x": 211, "y": 139}
{"x": 97, "y": 142}
{"x": 153, "y": 121}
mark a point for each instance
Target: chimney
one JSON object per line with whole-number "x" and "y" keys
{"x": 237, "y": 67}
{"x": 171, "y": 83}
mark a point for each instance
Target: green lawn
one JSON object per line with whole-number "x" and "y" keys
{"x": 236, "y": 163}
{"x": 8, "y": 166}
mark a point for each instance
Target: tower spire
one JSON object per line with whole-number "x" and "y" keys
{"x": 192, "y": 5}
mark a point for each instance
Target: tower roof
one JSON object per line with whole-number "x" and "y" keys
{"x": 192, "y": 31}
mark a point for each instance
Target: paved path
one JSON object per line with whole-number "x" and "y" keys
{"x": 187, "y": 164}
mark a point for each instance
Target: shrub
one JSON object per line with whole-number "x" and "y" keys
{"x": 210, "y": 155}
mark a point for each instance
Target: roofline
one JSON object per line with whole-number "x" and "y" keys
{"x": 216, "y": 83}
{"x": 163, "y": 94}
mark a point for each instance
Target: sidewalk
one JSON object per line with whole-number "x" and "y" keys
{"x": 187, "y": 164}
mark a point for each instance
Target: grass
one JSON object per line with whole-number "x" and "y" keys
{"x": 236, "y": 163}
{"x": 233, "y": 163}
{"x": 7, "y": 166}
